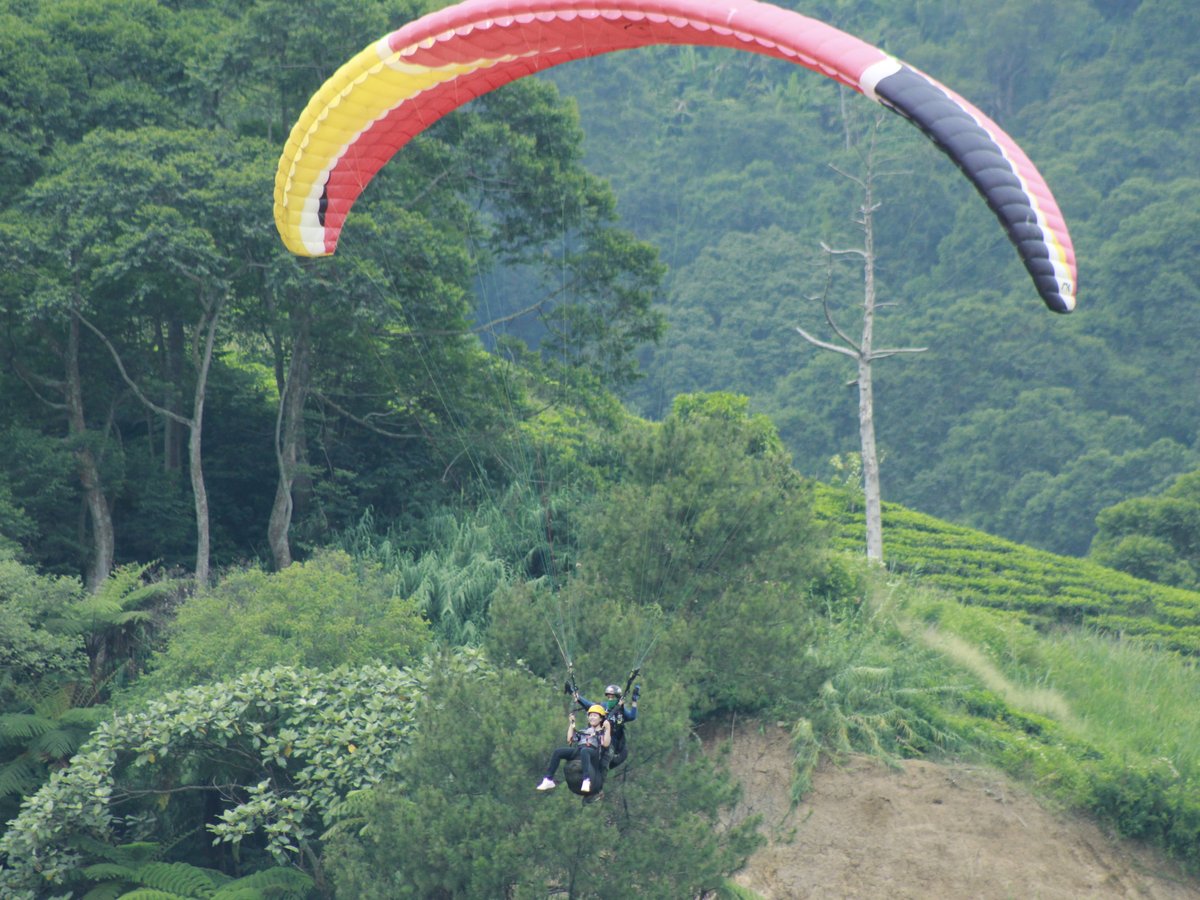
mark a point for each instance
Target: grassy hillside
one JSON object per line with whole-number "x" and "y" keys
{"x": 1077, "y": 679}
{"x": 1043, "y": 588}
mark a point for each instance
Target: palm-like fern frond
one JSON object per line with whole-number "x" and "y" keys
{"x": 21, "y": 776}
{"x": 18, "y": 728}
{"x": 178, "y": 878}
{"x": 107, "y": 871}
{"x": 278, "y": 883}
{"x": 136, "y": 871}
{"x": 109, "y": 891}
{"x": 119, "y": 601}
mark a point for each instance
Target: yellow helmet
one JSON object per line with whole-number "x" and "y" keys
{"x": 597, "y": 708}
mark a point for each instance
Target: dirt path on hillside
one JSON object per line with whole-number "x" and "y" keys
{"x": 927, "y": 831}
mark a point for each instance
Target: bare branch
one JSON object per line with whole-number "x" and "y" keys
{"x": 358, "y": 420}
{"x": 884, "y": 354}
{"x": 862, "y": 184}
{"x": 846, "y": 339}
{"x": 29, "y": 378}
{"x": 223, "y": 789}
{"x": 430, "y": 184}
{"x": 491, "y": 323}
{"x": 852, "y": 251}
{"x": 851, "y": 348}
{"x": 211, "y": 310}
{"x": 450, "y": 464}
{"x": 150, "y": 404}
{"x": 533, "y": 307}
{"x": 825, "y": 345}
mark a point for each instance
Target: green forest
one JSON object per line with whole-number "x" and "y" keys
{"x": 1024, "y": 424}
{"x": 296, "y": 555}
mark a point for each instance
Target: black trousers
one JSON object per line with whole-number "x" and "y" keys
{"x": 586, "y": 755}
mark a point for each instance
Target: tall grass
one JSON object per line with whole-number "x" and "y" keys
{"x": 1041, "y": 700}
{"x": 1125, "y": 698}
{"x": 881, "y": 693}
{"x": 1129, "y": 699}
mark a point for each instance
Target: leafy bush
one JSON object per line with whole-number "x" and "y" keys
{"x": 319, "y": 614}
{"x": 1151, "y": 800}
{"x": 259, "y": 762}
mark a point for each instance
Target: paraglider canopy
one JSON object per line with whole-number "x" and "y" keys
{"x": 404, "y": 82}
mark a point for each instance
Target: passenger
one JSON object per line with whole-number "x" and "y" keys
{"x": 586, "y": 746}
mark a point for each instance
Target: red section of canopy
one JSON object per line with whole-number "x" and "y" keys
{"x": 466, "y": 50}
{"x": 545, "y": 33}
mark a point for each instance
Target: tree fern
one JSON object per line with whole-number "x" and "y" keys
{"x": 58, "y": 743}
{"x": 133, "y": 854}
{"x": 108, "y": 871}
{"x": 63, "y": 649}
{"x": 156, "y": 880}
{"x": 110, "y": 891}
{"x": 116, "y": 621}
{"x": 136, "y": 871}
{"x": 178, "y": 878}
{"x": 18, "y": 728}
{"x": 350, "y": 812}
{"x": 124, "y": 590}
{"x": 32, "y": 743}
{"x": 20, "y": 776}
{"x": 278, "y": 883}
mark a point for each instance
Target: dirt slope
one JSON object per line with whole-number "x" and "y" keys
{"x": 927, "y": 831}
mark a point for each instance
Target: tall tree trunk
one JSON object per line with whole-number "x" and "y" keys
{"x": 195, "y": 468}
{"x": 289, "y": 433}
{"x": 866, "y": 392}
{"x": 872, "y": 493}
{"x": 173, "y": 431}
{"x": 99, "y": 513}
{"x": 200, "y": 494}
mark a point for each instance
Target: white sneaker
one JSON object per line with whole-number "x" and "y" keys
{"x": 546, "y": 785}
{"x": 586, "y": 787}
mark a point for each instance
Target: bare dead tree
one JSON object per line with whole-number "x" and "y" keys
{"x": 862, "y": 349}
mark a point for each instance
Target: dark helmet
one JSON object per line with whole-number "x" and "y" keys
{"x": 612, "y": 691}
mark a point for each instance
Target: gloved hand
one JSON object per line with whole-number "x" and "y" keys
{"x": 637, "y": 689}
{"x": 567, "y": 689}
